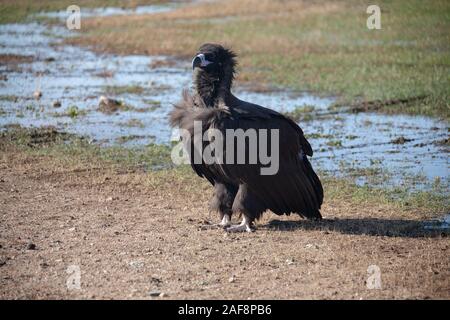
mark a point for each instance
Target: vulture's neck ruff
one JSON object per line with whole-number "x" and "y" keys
{"x": 214, "y": 87}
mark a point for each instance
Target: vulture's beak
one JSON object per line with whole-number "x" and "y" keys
{"x": 200, "y": 61}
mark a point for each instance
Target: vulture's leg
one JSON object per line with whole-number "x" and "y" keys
{"x": 250, "y": 206}
{"x": 226, "y": 220}
{"x": 245, "y": 226}
{"x": 222, "y": 202}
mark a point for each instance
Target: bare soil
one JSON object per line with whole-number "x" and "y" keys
{"x": 132, "y": 233}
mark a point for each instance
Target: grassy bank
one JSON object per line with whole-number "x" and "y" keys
{"x": 321, "y": 46}
{"x": 75, "y": 153}
{"x": 12, "y": 11}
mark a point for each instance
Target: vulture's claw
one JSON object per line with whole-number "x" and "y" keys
{"x": 225, "y": 223}
{"x": 245, "y": 226}
{"x": 239, "y": 228}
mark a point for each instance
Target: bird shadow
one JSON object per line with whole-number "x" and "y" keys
{"x": 363, "y": 226}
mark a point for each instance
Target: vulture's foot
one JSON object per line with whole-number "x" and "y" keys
{"x": 225, "y": 223}
{"x": 245, "y": 226}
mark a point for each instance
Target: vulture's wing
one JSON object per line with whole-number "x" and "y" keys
{"x": 295, "y": 187}
{"x": 246, "y": 110}
{"x": 184, "y": 115}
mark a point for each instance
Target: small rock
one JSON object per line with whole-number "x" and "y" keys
{"x": 108, "y": 105}
{"x": 162, "y": 295}
{"x": 401, "y": 140}
{"x": 289, "y": 262}
{"x": 56, "y": 104}
{"x": 136, "y": 264}
{"x": 154, "y": 293}
{"x": 155, "y": 280}
{"x": 31, "y": 246}
{"x": 231, "y": 279}
{"x": 37, "y": 94}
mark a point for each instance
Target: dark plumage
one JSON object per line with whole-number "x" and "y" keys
{"x": 240, "y": 188}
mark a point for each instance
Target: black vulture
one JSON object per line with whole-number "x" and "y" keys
{"x": 239, "y": 187}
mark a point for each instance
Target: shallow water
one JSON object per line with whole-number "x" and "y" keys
{"x": 360, "y": 145}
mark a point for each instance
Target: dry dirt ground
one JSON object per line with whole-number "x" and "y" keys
{"x": 132, "y": 232}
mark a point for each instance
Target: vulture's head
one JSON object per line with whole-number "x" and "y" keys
{"x": 214, "y": 63}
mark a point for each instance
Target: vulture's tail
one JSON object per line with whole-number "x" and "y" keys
{"x": 316, "y": 184}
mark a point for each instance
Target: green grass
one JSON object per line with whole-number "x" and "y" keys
{"x": 430, "y": 202}
{"x": 73, "y": 111}
{"x": 9, "y": 98}
{"x": 119, "y": 90}
{"x": 133, "y": 123}
{"x": 153, "y": 104}
{"x": 12, "y": 11}
{"x": 47, "y": 141}
{"x": 128, "y": 138}
{"x": 301, "y": 113}
{"x": 318, "y": 136}
{"x": 410, "y": 56}
{"x": 334, "y": 143}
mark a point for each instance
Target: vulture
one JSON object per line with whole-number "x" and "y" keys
{"x": 242, "y": 187}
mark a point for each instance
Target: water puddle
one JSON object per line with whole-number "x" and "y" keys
{"x": 373, "y": 148}
{"x": 442, "y": 224}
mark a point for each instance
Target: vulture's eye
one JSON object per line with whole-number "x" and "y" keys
{"x": 210, "y": 57}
